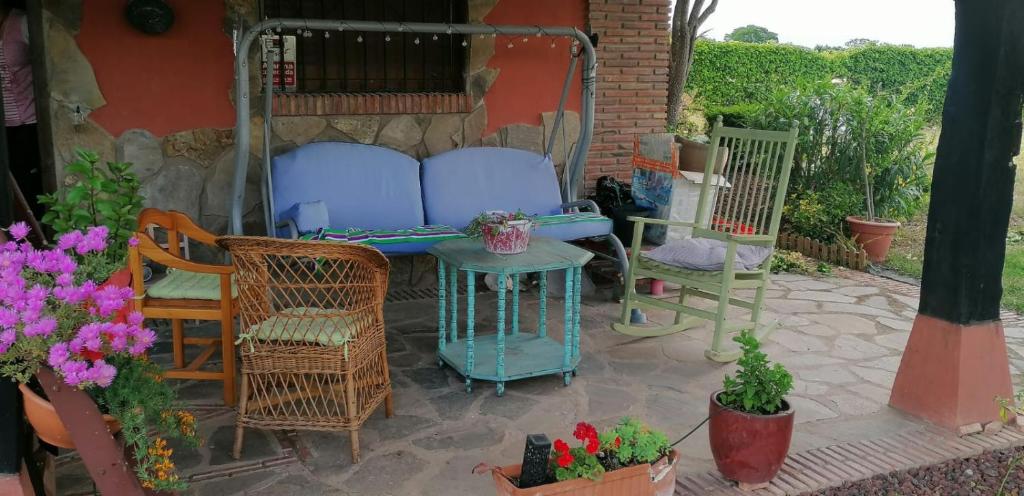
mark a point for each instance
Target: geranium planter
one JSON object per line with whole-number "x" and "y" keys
{"x": 640, "y": 480}
{"x": 47, "y": 424}
{"x": 508, "y": 237}
{"x": 749, "y": 448}
{"x": 874, "y": 236}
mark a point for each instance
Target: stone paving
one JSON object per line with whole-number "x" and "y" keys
{"x": 840, "y": 336}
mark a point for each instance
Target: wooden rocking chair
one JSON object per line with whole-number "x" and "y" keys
{"x": 745, "y": 209}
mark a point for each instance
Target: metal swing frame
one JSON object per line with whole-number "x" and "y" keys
{"x": 571, "y": 181}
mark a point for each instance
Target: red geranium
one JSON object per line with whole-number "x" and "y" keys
{"x": 584, "y": 431}
{"x": 593, "y": 445}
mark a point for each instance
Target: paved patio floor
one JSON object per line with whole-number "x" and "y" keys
{"x": 840, "y": 336}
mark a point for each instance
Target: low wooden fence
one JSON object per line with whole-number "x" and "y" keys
{"x": 831, "y": 253}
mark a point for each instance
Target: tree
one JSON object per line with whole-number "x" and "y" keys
{"x": 752, "y": 33}
{"x": 686, "y": 21}
{"x": 861, "y": 42}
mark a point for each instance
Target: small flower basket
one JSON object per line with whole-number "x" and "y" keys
{"x": 504, "y": 233}
{"x": 630, "y": 458}
{"x": 640, "y": 480}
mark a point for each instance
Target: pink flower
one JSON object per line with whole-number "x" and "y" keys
{"x": 69, "y": 240}
{"x": 18, "y": 230}
{"x": 133, "y": 242}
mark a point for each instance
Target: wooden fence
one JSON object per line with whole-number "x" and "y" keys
{"x": 831, "y": 253}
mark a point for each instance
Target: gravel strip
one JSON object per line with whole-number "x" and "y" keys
{"x": 979, "y": 475}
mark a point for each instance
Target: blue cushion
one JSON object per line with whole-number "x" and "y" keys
{"x": 308, "y": 216}
{"x": 460, "y": 184}
{"x": 570, "y": 227}
{"x": 362, "y": 186}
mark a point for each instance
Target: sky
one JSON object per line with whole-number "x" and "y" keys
{"x": 922, "y": 23}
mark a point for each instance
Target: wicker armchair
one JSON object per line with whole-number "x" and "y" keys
{"x": 312, "y": 335}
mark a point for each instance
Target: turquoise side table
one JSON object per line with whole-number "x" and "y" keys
{"x": 519, "y": 354}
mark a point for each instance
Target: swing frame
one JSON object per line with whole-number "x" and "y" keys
{"x": 571, "y": 180}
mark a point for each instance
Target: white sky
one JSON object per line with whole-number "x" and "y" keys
{"x": 923, "y": 23}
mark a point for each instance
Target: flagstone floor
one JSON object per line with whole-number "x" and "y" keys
{"x": 840, "y": 336}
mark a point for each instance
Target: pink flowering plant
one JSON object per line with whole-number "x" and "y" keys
{"x": 54, "y": 315}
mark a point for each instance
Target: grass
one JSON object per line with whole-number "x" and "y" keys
{"x": 907, "y": 254}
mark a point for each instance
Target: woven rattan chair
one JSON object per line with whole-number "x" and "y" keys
{"x": 312, "y": 335}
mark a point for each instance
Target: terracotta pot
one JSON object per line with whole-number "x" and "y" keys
{"x": 47, "y": 423}
{"x": 875, "y": 237}
{"x": 749, "y": 448}
{"x": 509, "y": 239}
{"x": 693, "y": 156}
{"x": 641, "y": 480}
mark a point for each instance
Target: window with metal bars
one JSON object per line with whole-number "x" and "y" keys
{"x": 352, "y": 62}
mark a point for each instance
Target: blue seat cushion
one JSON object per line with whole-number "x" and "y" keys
{"x": 362, "y": 186}
{"x": 460, "y": 184}
{"x": 308, "y": 216}
{"x": 568, "y": 227}
{"x": 390, "y": 242}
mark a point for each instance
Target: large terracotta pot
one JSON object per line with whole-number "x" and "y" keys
{"x": 640, "y": 480}
{"x": 749, "y": 448}
{"x": 875, "y": 237}
{"x": 693, "y": 156}
{"x": 47, "y": 423}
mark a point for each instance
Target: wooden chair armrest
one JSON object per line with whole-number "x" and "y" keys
{"x": 178, "y": 221}
{"x": 151, "y": 250}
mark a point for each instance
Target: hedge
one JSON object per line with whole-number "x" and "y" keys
{"x": 728, "y": 74}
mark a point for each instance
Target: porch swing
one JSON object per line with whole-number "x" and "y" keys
{"x": 436, "y": 197}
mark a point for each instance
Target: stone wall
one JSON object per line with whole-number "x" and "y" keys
{"x": 632, "y": 80}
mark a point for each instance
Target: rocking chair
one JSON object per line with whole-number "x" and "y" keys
{"x": 745, "y": 209}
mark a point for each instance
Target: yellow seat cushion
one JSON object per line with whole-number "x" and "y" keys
{"x": 185, "y": 285}
{"x": 322, "y": 326}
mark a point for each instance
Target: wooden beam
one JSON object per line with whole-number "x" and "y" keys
{"x": 972, "y": 187}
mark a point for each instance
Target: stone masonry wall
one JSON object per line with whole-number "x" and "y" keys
{"x": 632, "y": 80}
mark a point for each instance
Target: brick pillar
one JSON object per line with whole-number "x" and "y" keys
{"x": 632, "y": 81}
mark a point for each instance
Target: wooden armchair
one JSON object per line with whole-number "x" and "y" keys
{"x": 190, "y": 290}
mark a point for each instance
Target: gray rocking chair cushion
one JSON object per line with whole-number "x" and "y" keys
{"x": 707, "y": 255}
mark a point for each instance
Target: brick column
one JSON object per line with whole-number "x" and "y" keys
{"x": 632, "y": 81}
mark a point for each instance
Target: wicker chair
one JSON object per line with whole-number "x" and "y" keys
{"x": 312, "y": 335}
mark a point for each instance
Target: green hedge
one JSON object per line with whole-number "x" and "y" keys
{"x": 730, "y": 74}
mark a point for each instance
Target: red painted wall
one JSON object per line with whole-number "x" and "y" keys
{"x": 532, "y": 73}
{"x": 168, "y": 83}
{"x": 182, "y": 79}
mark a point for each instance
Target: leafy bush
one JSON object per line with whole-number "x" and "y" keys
{"x": 731, "y": 73}
{"x": 821, "y": 215}
{"x": 98, "y": 196}
{"x": 795, "y": 263}
{"x": 759, "y": 387}
{"x": 842, "y": 127}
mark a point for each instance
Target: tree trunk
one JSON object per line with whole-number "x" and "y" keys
{"x": 679, "y": 72}
{"x": 686, "y": 23}
{"x": 972, "y": 188}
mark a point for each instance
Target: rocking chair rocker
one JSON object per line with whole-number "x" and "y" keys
{"x": 746, "y": 209}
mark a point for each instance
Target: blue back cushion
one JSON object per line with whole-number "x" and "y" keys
{"x": 363, "y": 186}
{"x": 460, "y": 184}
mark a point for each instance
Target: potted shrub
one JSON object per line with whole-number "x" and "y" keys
{"x": 751, "y": 423}
{"x": 630, "y": 458}
{"x": 504, "y": 233}
{"x": 872, "y": 233}
{"x": 99, "y": 196}
{"x": 58, "y": 325}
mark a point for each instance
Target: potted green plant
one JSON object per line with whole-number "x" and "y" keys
{"x": 59, "y": 326}
{"x": 98, "y": 196}
{"x": 874, "y": 234}
{"x": 751, "y": 424}
{"x": 504, "y": 233}
{"x": 630, "y": 458}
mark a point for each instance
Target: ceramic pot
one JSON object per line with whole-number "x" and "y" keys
{"x": 875, "y": 237}
{"x": 693, "y": 156}
{"x": 509, "y": 238}
{"x": 47, "y": 423}
{"x": 749, "y": 448}
{"x": 640, "y": 480}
